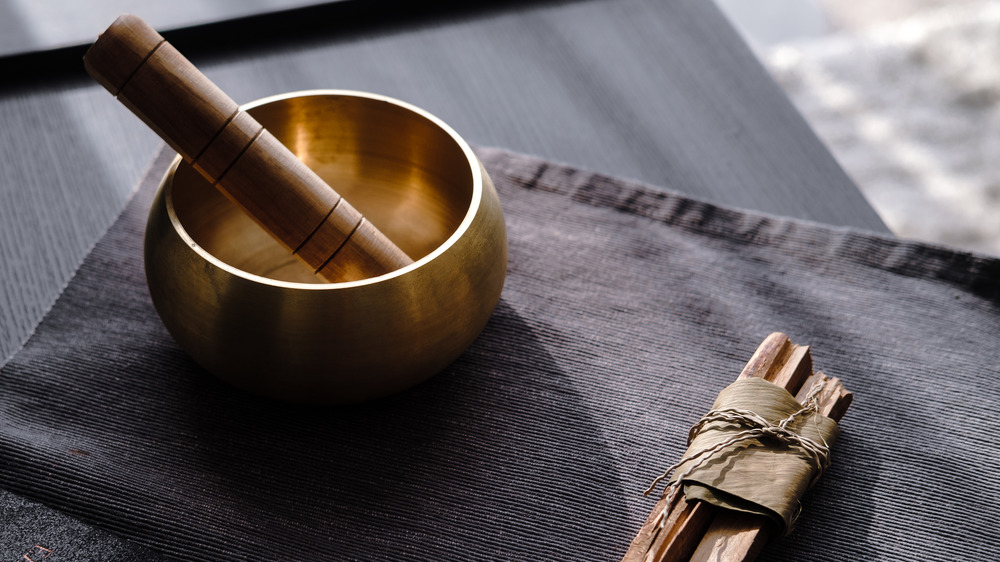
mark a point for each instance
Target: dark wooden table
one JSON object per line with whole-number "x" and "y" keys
{"x": 663, "y": 91}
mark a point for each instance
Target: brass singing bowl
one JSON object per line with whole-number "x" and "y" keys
{"x": 251, "y": 313}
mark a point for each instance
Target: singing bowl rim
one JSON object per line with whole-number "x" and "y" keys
{"x": 475, "y": 202}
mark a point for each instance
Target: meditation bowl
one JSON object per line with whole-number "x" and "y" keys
{"x": 247, "y": 310}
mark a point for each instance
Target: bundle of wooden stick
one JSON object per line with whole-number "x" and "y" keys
{"x": 699, "y": 531}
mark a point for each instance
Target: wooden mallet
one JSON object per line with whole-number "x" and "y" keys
{"x": 237, "y": 155}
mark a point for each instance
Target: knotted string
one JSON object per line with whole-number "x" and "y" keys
{"x": 757, "y": 428}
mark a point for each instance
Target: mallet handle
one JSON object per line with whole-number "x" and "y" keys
{"x": 237, "y": 155}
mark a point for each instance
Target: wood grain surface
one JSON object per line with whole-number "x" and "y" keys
{"x": 662, "y": 92}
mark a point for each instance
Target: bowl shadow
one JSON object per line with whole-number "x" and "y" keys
{"x": 493, "y": 458}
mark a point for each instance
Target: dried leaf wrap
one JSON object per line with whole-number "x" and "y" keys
{"x": 766, "y": 475}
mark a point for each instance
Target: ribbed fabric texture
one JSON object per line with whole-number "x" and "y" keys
{"x": 32, "y": 532}
{"x": 626, "y": 310}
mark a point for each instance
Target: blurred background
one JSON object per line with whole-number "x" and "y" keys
{"x": 905, "y": 93}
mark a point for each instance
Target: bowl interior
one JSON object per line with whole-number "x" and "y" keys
{"x": 409, "y": 176}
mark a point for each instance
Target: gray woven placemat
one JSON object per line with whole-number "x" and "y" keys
{"x": 625, "y": 311}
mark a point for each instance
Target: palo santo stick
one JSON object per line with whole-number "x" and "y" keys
{"x": 739, "y": 537}
{"x": 777, "y": 360}
{"x": 672, "y": 534}
{"x": 685, "y": 524}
